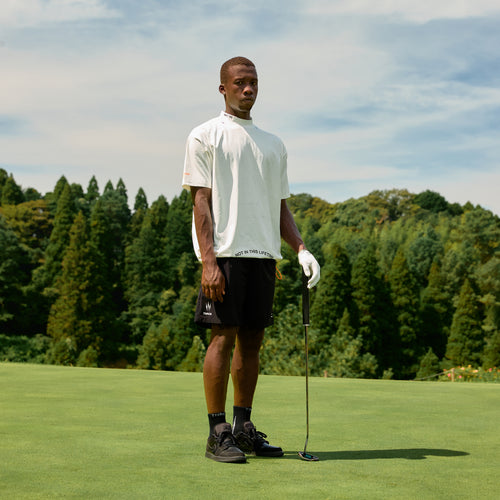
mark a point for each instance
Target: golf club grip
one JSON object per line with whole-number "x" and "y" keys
{"x": 305, "y": 300}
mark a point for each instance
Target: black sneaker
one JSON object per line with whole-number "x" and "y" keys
{"x": 221, "y": 445}
{"x": 250, "y": 440}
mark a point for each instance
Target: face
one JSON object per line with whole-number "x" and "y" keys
{"x": 240, "y": 90}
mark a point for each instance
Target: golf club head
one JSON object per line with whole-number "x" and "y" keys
{"x": 308, "y": 457}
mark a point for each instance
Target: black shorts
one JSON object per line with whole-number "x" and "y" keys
{"x": 249, "y": 294}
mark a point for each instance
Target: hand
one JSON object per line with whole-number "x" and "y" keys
{"x": 213, "y": 283}
{"x": 310, "y": 266}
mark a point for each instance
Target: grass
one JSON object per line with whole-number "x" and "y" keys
{"x": 96, "y": 433}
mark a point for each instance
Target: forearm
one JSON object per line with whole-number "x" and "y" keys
{"x": 289, "y": 231}
{"x": 203, "y": 224}
{"x": 212, "y": 280}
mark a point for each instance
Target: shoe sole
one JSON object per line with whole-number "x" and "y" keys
{"x": 276, "y": 454}
{"x": 227, "y": 460}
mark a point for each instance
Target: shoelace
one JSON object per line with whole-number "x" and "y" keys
{"x": 253, "y": 435}
{"x": 225, "y": 436}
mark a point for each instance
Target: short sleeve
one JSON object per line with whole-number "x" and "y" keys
{"x": 285, "y": 188}
{"x": 197, "y": 164}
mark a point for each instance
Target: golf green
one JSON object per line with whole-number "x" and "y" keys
{"x": 96, "y": 433}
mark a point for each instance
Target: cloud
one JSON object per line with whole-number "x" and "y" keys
{"x": 407, "y": 10}
{"x": 366, "y": 95}
{"x": 29, "y": 13}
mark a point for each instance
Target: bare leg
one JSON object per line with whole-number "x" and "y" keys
{"x": 245, "y": 365}
{"x": 216, "y": 367}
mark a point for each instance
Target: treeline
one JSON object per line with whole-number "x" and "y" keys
{"x": 410, "y": 283}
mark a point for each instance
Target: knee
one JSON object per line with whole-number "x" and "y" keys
{"x": 222, "y": 342}
{"x": 249, "y": 341}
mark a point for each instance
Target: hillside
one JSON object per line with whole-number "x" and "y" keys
{"x": 410, "y": 283}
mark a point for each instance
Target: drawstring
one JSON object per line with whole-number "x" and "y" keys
{"x": 279, "y": 276}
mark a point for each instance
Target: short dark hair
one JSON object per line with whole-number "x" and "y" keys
{"x": 234, "y": 61}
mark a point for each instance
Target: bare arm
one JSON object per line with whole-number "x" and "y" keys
{"x": 289, "y": 230}
{"x": 212, "y": 280}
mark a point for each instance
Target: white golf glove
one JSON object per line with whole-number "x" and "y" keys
{"x": 310, "y": 266}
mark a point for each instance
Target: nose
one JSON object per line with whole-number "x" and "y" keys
{"x": 248, "y": 90}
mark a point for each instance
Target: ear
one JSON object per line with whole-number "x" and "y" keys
{"x": 222, "y": 89}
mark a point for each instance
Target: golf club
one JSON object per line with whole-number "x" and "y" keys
{"x": 305, "y": 320}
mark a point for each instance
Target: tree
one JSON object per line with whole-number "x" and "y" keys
{"x": 167, "y": 344}
{"x": 436, "y": 312}
{"x": 373, "y": 308}
{"x": 109, "y": 222}
{"x": 431, "y": 201}
{"x": 429, "y": 366}
{"x": 466, "y": 343}
{"x": 52, "y": 198}
{"x": 31, "y": 194}
{"x": 333, "y": 294}
{"x": 3, "y": 179}
{"x": 488, "y": 276}
{"x": 344, "y": 356}
{"x": 179, "y": 239}
{"x": 193, "y": 362}
{"x": 282, "y": 350}
{"x": 12, "y": 194}
{"x": 140, "y": 210}
{"x": 146, "y": 273}
{"x": 32, "y": 223}
{"x": 422, "y": 252}
{"x": 14, "y": 274}
{"x": 92, "y": 194}
{"x": 46, "y": 275}
{"x": 80, "y": 317}
{"x": 405, "y": 299}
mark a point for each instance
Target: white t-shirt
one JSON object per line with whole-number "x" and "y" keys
{"x": 246, "y": 169}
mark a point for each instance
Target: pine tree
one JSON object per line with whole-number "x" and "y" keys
{"x": 140, "y": 210}
{"x": 488, "y": 276}
{"x": 46, "y": 275}
{"x": 92, "y": 194}
{"x": 146, "y": 272}
{"x": 179, "y": 233}
{"x": 421, "y": 254}
{"x": 373, "y": 308}
{"x": 141, "y": 200}
{"x": 193, "y": 362}
{"x": 333, "y": 294}
{"x": 344, "y": 356}
{"x": 80, "y": 317}
{"x": 3, "y": 179}
{"x": 14, "y": 274}
{"x": 405, "y": 299}
{"x": 52, "y": 199}
{"x": 429, "y": 366}
{"x": 283, "y": 346}
{"x": 12, "y": 194}
{"x": 109, "y": 225}
{"x": 121, "y": 189}
{"x": 466, "y": 343}
{"x": 491, "y": 355}
{"x": 436, "y": 312}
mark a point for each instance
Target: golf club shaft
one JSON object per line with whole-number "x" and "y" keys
{"x": 305, "y": 321}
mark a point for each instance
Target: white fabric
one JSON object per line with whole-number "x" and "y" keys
{"x": 246, "y": 168}
{"x": 310, "y": 266}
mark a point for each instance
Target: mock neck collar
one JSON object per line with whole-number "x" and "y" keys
{"x": 235, "y": 119}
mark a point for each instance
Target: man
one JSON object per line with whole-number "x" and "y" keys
{"x": 238, "y": 181}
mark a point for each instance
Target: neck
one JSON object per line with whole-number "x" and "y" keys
{"x": 244, "y": 115}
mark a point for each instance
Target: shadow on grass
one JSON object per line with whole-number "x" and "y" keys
{"x": 408, "y": 454}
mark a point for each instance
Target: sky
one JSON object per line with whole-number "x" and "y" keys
{"x": 365, "y": 95}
